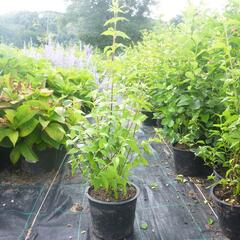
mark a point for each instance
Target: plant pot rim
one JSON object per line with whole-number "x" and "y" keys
{"x": 216, "y": 172}
{"x": 115, "y": 202}
{"x": 219, "y": 200}
{"x": 180, "y": 149}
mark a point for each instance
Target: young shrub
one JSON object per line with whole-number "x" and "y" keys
{"x": 103, "y": 144}
{"x": 189, "y": 97}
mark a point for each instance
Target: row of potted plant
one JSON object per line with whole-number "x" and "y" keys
{"x": 192, "y": 72}
{"x": 193, "y": 88}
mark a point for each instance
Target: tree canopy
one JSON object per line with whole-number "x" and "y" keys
{"x": 88, "y": 18}
{"x": 83, "y": 21}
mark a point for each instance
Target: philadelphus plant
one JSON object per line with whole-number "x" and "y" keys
{"x": 103, "y": 144}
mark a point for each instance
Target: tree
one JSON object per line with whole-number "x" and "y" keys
{"x": 23, "y": 27}
{"x": 88, "y": 18}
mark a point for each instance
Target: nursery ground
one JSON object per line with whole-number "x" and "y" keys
{"x": 167, "y": 209}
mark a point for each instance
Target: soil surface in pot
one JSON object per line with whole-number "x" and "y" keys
{"x": 106, "y": 196}
{"x": 226, "y": 194}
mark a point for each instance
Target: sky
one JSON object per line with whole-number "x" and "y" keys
{"x": 165, "y": 8}
{"x": 7, "y": 6}
{"x": 170, "y": 8}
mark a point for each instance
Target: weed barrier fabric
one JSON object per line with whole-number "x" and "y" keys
{"x": 167, "y": 209}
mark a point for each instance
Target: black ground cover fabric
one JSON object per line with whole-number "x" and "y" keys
{"x": 171, "y": 210}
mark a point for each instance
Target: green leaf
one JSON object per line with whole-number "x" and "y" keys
{"x": 116, "y": 161}
{"x": 112, "y": 32}
{"x": 133, "y": 144}
{"x": 60, "y": 111}
{"x": 13, "y": 137}
{"x": 105, "y": 182}
{"x": 55, "y": 131}
{"x": 180, "y": 178}
{"x": 24, "y": 114}
{"x": 33, "y": 138}
{"x": 210, "y": 221}
{"x": 144, "y": 226}
{"x": 38, "y": 105}
{"x": 190, "y": 75}
{"x": 205, "y": 117}
{"x": 28, "y": 153}
{"x": 184, "y": 101}
{"x": 122, "y": 35}
{"x": 57, "y": 118}
{"x": 153, "y": 185}
{"x": 115, "y": 20}
{"x": 143, "y": 161}
{"x": 49, "y": 141}
{"x": 15, "y": 155}
{"x": 170, "y": 123}
{"x": 5, "y": 132}
{"x": 28, "y": 127}
{"x": 44, "y": 123}
{"x": 10, "y": 114}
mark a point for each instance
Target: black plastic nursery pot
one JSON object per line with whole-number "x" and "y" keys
{"x": 113, "y": 220}
{"x": 188, "y": 164}
{"x": 228, "y": 216}
{"x": 4, "y": 157}
{"x": 219, "y": 172}
{"x": 149, "y": 121}
{"x": 5, "y": 162}
{"x": 49, "y": 159}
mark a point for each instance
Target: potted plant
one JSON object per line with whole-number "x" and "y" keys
{"x": 226, "y": 193}
{"x": 33, "y": 122}
{"x": 105, "y": 149}
{"x": 190, "y": 96}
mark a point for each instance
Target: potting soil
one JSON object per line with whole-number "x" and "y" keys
{"x": 167, "y": 209}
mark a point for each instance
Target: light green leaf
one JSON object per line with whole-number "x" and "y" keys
{"x": 122, "y": 35}
{"x": 55, "y": 131}
{"x": 116, "y": 162}
{"x": 49, "y": 141}
{"x": 28, "y": 153}
{"x": 5, "y": 132}
{"x": 60, "y": 111}
{"x": 133, "y": 144}
{"x": 28, "y": 127}
{"x": 210, "y": 221}
{"x": 10, "y": 114}
{"x": 153, "y": 185}
{"x": 146, "y": 147}
{"x": 184, "y": 101}
{"x": 144, "y": 226}
{"x": 24, "y": 114}
{"x": 13, "y": 137}
{"x": 190, "y": 75}
{"x": 112, "y": 32}
{"x": 43, "y": 123}
{"x": 15, "y": 155}
{"x": 115, "y": 20}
